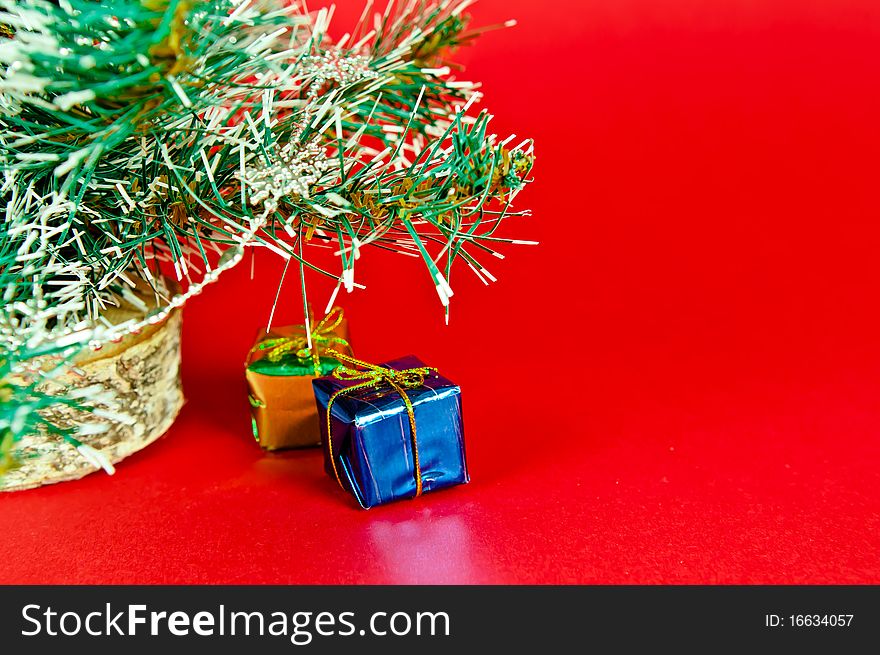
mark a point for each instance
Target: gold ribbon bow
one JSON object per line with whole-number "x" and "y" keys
{"x": 375, "y": 377}
{"x": 322, "y": 337}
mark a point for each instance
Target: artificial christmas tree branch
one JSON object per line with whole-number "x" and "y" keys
{"x": 150, "y": 138}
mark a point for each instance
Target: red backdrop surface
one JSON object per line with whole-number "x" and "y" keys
{"x": 679, "y": 385}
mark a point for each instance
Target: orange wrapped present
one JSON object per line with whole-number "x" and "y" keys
{"x": 279, "y": 371}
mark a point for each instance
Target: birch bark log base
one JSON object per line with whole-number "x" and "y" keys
{"x": 143, "y": 371}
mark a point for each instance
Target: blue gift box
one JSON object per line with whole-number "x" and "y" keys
{"x": 371, "y": 438}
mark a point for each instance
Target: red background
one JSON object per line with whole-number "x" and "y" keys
{"x": 679, "y": 385}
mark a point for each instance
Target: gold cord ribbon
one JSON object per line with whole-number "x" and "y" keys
{"x": 375, "y": 377}
{"x": 322, "y": 337}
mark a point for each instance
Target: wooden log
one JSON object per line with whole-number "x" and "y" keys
{"x": 143, "y": 371}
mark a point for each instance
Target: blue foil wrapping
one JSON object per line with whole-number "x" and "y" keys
{"x": 371, "y": 436}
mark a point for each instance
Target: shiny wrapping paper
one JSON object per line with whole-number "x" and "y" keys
{"x": 281, "y": 397}
{"x": 372, "y": 444}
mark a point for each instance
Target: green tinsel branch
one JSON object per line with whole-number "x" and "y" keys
{"x": 144, "y": 138}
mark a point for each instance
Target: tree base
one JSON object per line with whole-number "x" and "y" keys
{"x": 143, "y": 371}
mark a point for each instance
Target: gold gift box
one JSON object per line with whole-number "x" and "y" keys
{"x": 283, "y": 405}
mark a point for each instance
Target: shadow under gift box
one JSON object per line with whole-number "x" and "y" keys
{"x": 281, "y": 397}
{"x": 372, "y": 444}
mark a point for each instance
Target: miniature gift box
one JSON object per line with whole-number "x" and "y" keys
{"x": 279, "y": 371}
{"x": 392, "y": 431}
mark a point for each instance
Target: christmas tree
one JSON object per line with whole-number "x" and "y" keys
{"x": 151, "y": 140}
